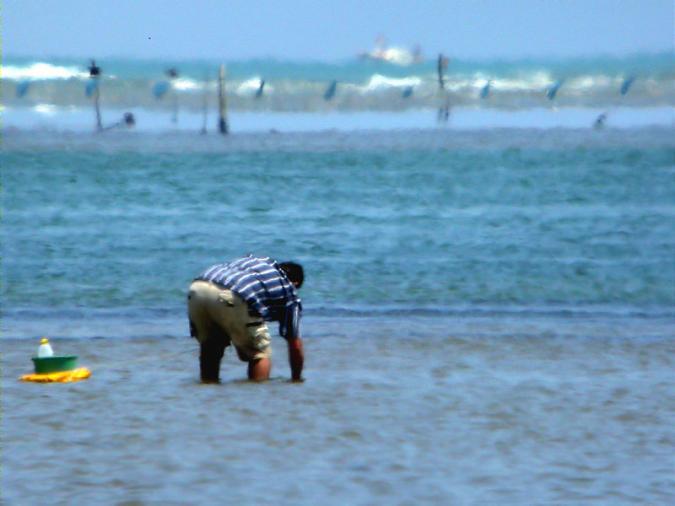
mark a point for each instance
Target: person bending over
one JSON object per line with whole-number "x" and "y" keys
{"x": 229, "y": 303}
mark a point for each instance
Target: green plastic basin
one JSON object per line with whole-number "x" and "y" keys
{"x": 55, "y": 364}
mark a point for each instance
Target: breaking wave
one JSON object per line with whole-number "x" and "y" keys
{"x": 357, "y": 85}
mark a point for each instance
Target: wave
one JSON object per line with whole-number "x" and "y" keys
{"x": 304, "y": 86}
{"x": 42, "y": 71}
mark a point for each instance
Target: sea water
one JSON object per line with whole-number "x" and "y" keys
{"x": 488, "y": 310}
{"x": 637, "y": 80}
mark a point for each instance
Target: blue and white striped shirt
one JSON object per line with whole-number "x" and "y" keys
{"x": 264, "y": 287}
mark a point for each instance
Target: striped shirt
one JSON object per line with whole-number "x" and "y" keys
{"x": 265, "y": 288}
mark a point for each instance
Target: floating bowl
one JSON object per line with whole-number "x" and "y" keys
{"x": 55, "y": 364}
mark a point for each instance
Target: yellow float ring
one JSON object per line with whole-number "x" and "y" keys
{"x": 78, "y": 374}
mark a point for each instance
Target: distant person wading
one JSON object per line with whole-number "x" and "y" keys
{"x": 229, "y": 303}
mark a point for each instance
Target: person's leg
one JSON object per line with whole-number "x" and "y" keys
{"x": 259, "y": 365}
{"x": 212, "y": 339}
{"x": 250, "y": 338}
{"x": 259, "y": 369}
{"x": 210, "y": 355}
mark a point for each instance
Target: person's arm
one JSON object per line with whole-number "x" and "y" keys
{"x": 296, "y": 358}
{"x": 289, "y": 328}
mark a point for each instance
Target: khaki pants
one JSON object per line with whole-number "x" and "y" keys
{"x": 219, "y": 317}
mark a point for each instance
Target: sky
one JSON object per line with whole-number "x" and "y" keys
{"x": 334, "y": 30}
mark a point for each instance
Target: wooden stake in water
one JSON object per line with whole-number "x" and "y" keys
{"x": 172, "y": 74}
{"x": 92, "y": 89}
{"x": 222, "y": 102}
{"x": 205, "y": 105}
{"x": 444, "y": 106}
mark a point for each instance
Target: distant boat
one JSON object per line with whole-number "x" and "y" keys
{"x": 160, "y": 89}
{"x": 261, "y": 88}
{"x": 330, "y": 91}
{"x": 22, "y": 89}
{"x": 552, "y": 91}
{"x": 627, "y": 83}
{"x": 485, "y": 90}
{"x": 395, "y": 55}
{"x": 599, "y": 123}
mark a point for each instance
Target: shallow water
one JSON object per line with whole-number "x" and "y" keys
{"x": 410, "y": 220}
{"x": 488, "y": 317}
{"x": 391, "y": 412}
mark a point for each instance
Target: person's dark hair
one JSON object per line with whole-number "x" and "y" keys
{"x": 295, "y": 272}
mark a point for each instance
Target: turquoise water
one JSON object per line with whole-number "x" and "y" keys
{"x": 383, "y": 222}
{"x": 488, "y": 316}
{"x": 299, "y": 86}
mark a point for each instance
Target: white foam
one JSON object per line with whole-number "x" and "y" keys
{"x": 251, "y": 86}
{"x": 535, "y": 81}
{"x": 378, "y": 81}
{"x": 187, "y": 85}
{"x": 589, "y": 82}
{"x": 46, "y": 109}
{"x": 38, "y": 71}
